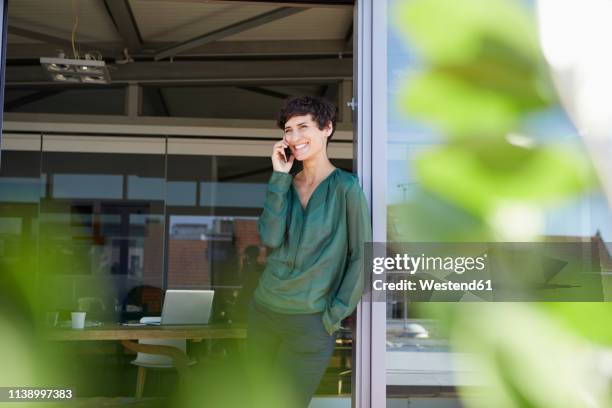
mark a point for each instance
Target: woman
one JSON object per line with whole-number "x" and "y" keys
{"x": 315, "y": 224}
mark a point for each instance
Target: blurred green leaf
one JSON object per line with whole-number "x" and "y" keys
{"x": 483, "y": 67}
{"x": 526, "y": 359}
{"x": 593, "y": 320}
{"x": 427, "y": 218}
{"x": 458, "y": 108}
{"x": 541, "y": 176}
{"x": 481, "y": 75}
{"x": 456, "y": 32}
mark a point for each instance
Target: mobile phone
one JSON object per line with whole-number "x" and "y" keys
{"x": 287, "y": 153}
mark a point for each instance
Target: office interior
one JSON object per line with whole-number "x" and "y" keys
{"x": 155, "y": 179}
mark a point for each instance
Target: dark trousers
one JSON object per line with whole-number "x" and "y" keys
{"x": 287, "y": 355}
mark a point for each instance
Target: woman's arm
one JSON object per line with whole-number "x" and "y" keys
{"x": 351, "y": 287}
{"x": 272, "y": 222}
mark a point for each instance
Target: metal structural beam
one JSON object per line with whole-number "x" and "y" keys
{"x": 152, "y": 126}
{"x": 227, "y": 31}
{"x": 329, "y": 92}
{"x": 207, "y": 72}
{"x": 263, "y": 91}
{"x": 345, "y": 96}
{"x": 27, "y": 99}
{"x": 243, "y": 49}
{"x": 50, "y": 39}
{"x": 348, "y": 38}
{"x": 292, "y": 3}
{"x": 164, "y": 104}
{"x": 104, "y": 143}
{"x": 38, "y": 36}
{"x": 121, "y": 14}
{"x": 133, "y": 100}
{"x": 323, "y": 90}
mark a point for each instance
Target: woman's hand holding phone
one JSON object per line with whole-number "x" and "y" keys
{"x": 280, "y": 162}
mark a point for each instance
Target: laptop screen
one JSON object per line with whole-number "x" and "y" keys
{"x": 183, "y": 307}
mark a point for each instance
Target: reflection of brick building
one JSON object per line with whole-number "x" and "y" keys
{"x": 246, "y": 234}
{"x": 153, "y": 253}
{"x": 188, "y": 262}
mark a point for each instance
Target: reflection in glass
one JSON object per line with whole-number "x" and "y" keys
{"x": 181, "y": 193}
{"x": 116, "y": 230}
{"x": 103, "y": 230}
{"x": 209, "y": 232}
{"x": 145, "y": 188}
{"x": 19, "y": 189}
{"x": 233, "y": 194}
{"x": 19, "y": 200}
{"x": 222, "y": 253}
{"x": 87, "y": 186}
{"x": 478, "y": 150}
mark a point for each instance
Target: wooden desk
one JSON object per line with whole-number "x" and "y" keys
{"x": 117, "y": 332}
{"x": 128, "y": 334}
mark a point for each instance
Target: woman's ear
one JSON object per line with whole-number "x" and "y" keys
{"x": 329, "y": 129}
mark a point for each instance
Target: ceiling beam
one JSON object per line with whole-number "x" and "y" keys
{"x": 38, "y": 36}
{"x": 242, "y": 49}
{"x": 51, "y": 39}
{"x": 263, "y": 91}
{"x": 330, "y": 92}
{"x": 262, "y": 48}
{"x": 121, "y": 14}
{"x": 294, "y": 3}
{"x": 151, "y": 126}
{"x": 27, "y": 99}
{"x": 163, "y": 102}
{"x": 203, "y": 72}
{"x": 227, "y": 31}
{"x": 287, "y": 3}
{"x": 323, "y": 90}
{"x": 348, "y": 37}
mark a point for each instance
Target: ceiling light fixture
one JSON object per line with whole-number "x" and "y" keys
{"x": 89, "y": 71}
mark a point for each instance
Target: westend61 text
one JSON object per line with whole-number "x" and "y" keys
{"x": 431, "y": 284}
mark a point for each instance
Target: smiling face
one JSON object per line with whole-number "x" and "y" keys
{"x": 304, "y": 137}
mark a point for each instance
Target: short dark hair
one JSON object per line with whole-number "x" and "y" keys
{"x": 322, "y": 111}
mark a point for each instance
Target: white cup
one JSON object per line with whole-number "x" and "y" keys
{"x": 78, "y": 320}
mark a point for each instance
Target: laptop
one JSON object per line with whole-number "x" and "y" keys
{"x": 185, "y": 307}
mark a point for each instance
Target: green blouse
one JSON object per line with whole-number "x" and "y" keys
{"x": 316, "y": 264}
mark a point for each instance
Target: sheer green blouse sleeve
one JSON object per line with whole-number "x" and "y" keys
{"x": 351, "y": 287}
{"x": 272, "y": 222}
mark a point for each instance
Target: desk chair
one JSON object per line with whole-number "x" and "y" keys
{"x": 157, "y": 361}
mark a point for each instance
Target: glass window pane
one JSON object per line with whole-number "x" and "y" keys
{"x": 449, "y": 183}
{"x": 232, "y": 194}
{"x": 213, "y": 241}
{"x": 146, "y": 188}
{"x": 19, "y": 201}
{"x": 103, "y": 233}
{"x": 214, "y": 244}
{"x": 87, "y": 186}
{"x": 181, "y": 193}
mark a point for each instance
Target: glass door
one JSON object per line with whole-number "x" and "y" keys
{"x": 418, "y": 135}
{"x": 3, "y": 9}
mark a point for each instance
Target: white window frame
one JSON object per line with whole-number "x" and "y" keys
{"x": 370, "y": 73}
